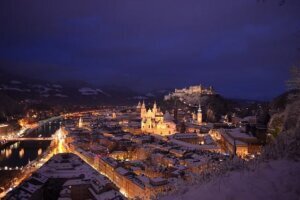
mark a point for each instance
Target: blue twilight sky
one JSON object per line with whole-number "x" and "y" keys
{"x": 242, "y": 47}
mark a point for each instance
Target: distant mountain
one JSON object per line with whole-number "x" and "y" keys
{"x": 21, "y": 89}
{"x": 8, "y": 106}
{"x": 153, "y": 95}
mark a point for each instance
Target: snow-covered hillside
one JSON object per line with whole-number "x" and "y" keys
{"x": 22, "y": 89}
{"x": 270, "y": 181}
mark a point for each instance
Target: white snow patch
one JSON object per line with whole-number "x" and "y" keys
{"x": 91, "y": 91}
{"x": 273, "y": 180}
{"x": 150, "y": 94}
{"x": 5, "y": 87}
{"x": 46, "y": 89}
{"x": 101, "y": 91}
{"x": 139, "y": 97}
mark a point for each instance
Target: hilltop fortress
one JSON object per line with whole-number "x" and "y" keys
{"x": 197, "y": 89}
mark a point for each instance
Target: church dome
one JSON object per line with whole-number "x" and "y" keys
{"x": 168, "y": 117}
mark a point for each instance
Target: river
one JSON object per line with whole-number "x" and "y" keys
{"x": 16, "y": 155}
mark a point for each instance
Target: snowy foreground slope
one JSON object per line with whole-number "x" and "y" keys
{"x": 270, "y": 181}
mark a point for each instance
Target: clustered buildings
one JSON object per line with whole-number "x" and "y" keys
{"x": 141, "y": 165}
{"x": 66, "y": 177}
{"x": 144, "y": 162}
{"x": 139, "y": 151}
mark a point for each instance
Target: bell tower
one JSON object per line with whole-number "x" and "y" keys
{"x": 143, "y": 110}
{"x": 80, "y": 123}
{"x": 138, "y": 107}
{"x": 199, "y": 115}
{"x": 154, "y": 110}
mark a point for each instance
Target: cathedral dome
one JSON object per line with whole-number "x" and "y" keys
{"x": 168, "y": 117}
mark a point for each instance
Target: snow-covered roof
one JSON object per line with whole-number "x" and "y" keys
{"x": 237, "y": 133}
{"x": 122, "y": 171}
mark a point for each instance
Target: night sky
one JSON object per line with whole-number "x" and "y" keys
{"x": 242, "y": 47}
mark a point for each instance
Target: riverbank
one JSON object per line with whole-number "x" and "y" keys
{"x": 29, "y": 155}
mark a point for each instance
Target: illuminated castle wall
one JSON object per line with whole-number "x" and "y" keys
{"x": 198, "y": 89}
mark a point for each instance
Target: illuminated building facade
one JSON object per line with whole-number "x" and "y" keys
{"x": 154, "y": 121}
{"x": 199, "y": 115}
{"x": 80, "y": 123}
{"x": 197, "y": 89}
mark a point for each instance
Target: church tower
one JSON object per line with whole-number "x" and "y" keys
{"x": 154, "y": 110}
{"x": 199, "y": 115}
{"x": 143, "y": 110}
{"x": 138, "y": 107}
{"x": 80, "y": 123}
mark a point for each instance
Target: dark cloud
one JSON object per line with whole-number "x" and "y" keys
{"x": 243, "y": 48}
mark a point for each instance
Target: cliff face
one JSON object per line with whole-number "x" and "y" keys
{"x": 213, "y": 106}
{"x": 216, "y": 106}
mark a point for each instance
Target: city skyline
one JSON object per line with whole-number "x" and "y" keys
{"x": 161, "y": 99}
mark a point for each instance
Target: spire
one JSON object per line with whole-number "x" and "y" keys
{"x": 199, "y": 115}
{"x": 199, "y": 109}
{"x": 80, "y": 124}
{"x": 143, "y": 110}
{"x": 154, "y": 105}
